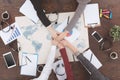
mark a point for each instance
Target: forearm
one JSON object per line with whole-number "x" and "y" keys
{"x": 78, "y": 12}
{"x": 95, "y": 74}
{"x": 86, "y": 63}
{"x": 68, "y": 68}
{"x": 40, "y": 13}
{"x": 48, "y": 67}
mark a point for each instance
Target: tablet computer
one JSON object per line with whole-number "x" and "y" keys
{"x": 9, "y": 60}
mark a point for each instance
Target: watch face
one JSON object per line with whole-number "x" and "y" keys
{"x": 53, "y": 17}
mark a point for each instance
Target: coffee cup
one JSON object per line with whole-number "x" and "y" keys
{"x": 5, "y": 15}
{"x": 39, "y": 68}
{"x": 113, "y": 55}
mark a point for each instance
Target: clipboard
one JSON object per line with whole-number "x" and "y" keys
{"x": 91, "y": 15}
{"x": 29, "y": 64}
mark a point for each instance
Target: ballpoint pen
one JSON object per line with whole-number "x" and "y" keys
{"x": 28, "y": 58}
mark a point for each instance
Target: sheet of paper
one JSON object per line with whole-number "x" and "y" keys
{"x": 23, "y": 21}
{"x": 28, "y": 10}
{"x": 31, "y": 64}
{"x": 73, "y": 35}
{"x": 62, "y": 26}
{"x": 92, "y": 58}
{"x": 12, "y": 34}
{"x": 91, "y": 15}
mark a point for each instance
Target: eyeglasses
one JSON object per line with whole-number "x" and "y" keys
{"x": 5, "y": 17}
{"x": 13, "y": 49}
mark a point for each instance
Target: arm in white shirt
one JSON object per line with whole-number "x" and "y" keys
{"x": 48, "y": 67}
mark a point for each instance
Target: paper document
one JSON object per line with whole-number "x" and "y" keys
{"x": 38, "y": 38}
{"x": 62, "y": 26}
{"x": 29, "y": 64}
{"x": 23, "y": 21}
{"x": 91, "y": 15}
{"x": 73, "y": 35}
{"x": 92, "y": 58}
{"x": 28, "y": 10}
{"x": 12, "y": 34}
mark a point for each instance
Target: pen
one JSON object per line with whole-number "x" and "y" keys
{"x": 91, "y": 57}
{"x": 68, "y": 19}
{"x": 28, "y": 58}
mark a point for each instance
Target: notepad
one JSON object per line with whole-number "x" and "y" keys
{"x": 29, "y": 64}
{"x": 28, "y": 10}
{"x": 91, "y": 15}
{"x": 92, "y": 58}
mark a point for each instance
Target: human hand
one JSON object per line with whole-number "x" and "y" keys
{"x": 70, "y": 46}
{"x": 56, "y": 43}
{"x": 53, "y": 32}
{"x": 61, "y": 35}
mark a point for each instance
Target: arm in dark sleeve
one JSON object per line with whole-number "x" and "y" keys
{"x": 95, "y": 74}
{"x": 78, "y": 12}
{"x": 68, "y": 68}
{"x": 40, "y": 13}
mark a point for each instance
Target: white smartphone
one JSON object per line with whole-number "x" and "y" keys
{"x": 9, "y": 60}
{"x": 97, "y": 36}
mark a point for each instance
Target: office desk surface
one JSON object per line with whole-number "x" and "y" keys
{"x": 110, "y": 68}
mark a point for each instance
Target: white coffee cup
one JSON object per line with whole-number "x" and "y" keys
{"x": 113, "y": 55}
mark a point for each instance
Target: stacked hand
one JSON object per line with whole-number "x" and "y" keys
{"x": 60, "y": 42}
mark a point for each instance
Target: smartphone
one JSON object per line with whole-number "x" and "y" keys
{"x": 97, "y": 36}
{"x": 9, "y": 60}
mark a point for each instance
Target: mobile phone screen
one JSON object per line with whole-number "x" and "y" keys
{"x": 9, "y": 60}
{"x": 97, "y": 36}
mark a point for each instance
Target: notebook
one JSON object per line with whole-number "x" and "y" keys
{"x": 29, "y": 64}
{"x": 91, "y": 15}
{"x": 28, "y": 10}
{"x": 92, "y": 58}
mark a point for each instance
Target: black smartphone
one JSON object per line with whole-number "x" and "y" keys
{"x": 9, "y": 60}
{"x": 97, "y": 36}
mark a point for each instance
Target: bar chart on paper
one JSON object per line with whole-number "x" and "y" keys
{"x": 10, "y": 36}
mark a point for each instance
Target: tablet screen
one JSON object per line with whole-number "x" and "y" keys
{"x": 9, "y": 60}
